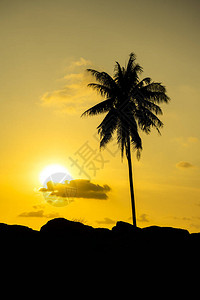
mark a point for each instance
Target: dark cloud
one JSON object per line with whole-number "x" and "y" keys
{"x": 184, "y": 165}
{"x": 79, "y": 188}
{"x": 38, "y": 214}
{"x": 106, "y": 221}
{"x": 143, "y": 218}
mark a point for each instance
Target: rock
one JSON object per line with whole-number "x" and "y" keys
{"x": 61, "y": 237}
{"x": 125, "y": 228}
{"x": 16, "y": 230}
{"x": 165, "y": 233}
{"x": 17, "y": 241}
{"x": 62, "y": 226}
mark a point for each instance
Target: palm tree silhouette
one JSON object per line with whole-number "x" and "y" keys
{"x": 130, "y": 104}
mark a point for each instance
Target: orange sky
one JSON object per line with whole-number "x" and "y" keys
{"x": 46, "y": 46}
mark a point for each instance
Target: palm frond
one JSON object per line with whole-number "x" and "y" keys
{"x": 156, "y": 92}
{"x": 132, "y": 76}
{"x": 100, "y": 88}
{"x": 137, "y": 69}
{"x": 147, "y": 120}
{"x": 99, "y": 108}
{"x": 136, "y": 143}
{"x": 144, "y": 102}
{"x": 118, "y": 73}
{"x": 103, "y": 77}
{"x": 143, "y": 82}
{"x": 132, "y": 58}
{"x": 107, "y": 127}
{"x": 152, "y": 107}
{"x": 121, "y": 137}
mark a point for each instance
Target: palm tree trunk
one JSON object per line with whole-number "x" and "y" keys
{"x": 128, "y": 154}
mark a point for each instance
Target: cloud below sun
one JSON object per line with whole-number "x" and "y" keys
{"x": 61, "y": 194}
{"x": 78, "y": 188}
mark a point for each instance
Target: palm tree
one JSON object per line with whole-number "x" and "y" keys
{"x": 130, "y": 104}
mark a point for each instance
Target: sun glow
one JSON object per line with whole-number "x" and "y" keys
{"x": 50, "y": 170}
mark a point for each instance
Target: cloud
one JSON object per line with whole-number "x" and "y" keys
{"x": 193, "y": 140}
{"x": 80, "y": 63}
{"x": 143, "y": 218}
{"x": 74, "y": 96}
{"x": 182, "y": 218}
{"x": 106, "y": 221}
{"x": 184, "y": 165}
{"x": 79, "y": 188}
{"x": 38, "y": 214}
{"x": 187, "y": 141}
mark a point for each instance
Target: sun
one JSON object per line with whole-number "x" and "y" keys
{"x": 55, "y": 173}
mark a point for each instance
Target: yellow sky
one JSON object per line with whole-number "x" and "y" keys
{"x": 45, "y": 48}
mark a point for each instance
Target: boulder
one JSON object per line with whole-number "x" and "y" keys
{"x": 62, "y": 226}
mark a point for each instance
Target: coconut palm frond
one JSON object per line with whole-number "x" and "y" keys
{"x": 121, "y": 137}
{"x": 101, "y": 89}
{"x": 99, "y": 108}
{"x": 133, "y": 71}
{"x": 143, "y": 82}
{"x": 147, "y": 120}
{"x": 103, "y": 77}
{"x": 141, "y": 101}
{"x": 155, "y": 92}
{"x": 118, "y": 73}
{"x": 107, "y": 127}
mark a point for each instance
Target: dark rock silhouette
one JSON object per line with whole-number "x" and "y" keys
{"x": 125, "y": 228}
{"x": 63, "y": 238}
{"x": 18, "y": 230}
{"x": 62, "y": 226}
{"x": 66, "y": 253}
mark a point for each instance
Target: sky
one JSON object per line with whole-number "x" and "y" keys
{"x": 46, "y": 46}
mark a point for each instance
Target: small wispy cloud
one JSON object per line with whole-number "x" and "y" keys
{"x": 81, "y": 62}
{"x": 74, "y": 96}
{"x": 107, "y": 221}
{"x": 38, "y": 214}
{"x": 143, "y": 218}
{"x": 186, "y": 141}
{"x": 184, "y": 165}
